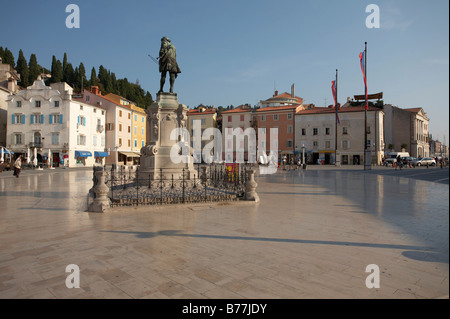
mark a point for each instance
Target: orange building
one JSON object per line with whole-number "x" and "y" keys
{"x": 282, "y": 118}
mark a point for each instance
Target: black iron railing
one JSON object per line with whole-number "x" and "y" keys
{"x": 130, "y": 187}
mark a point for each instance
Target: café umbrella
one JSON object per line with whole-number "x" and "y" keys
{"x": 1, "y": 157}
{"x": 35, "y": 162}
{"x": 28, "y": 156}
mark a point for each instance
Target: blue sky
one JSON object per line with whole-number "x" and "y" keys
{"x": 238, "y": 51}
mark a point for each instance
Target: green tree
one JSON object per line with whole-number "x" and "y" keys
{"x": 22, "y": 69}
{"x": 68, "y": 74}
{"x": 8, "y": 58}
{"x": 56, "y": 71}
{"x": 64, "y": 65}
{"x": 93, "y": 80}
{"x": 34, "y": 69}
{"x": 2, "y": 53}
{"x": 82, "y": 75}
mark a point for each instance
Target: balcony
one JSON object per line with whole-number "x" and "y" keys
{"x": 36, "y": 145}
{"x": 100, "y": 128}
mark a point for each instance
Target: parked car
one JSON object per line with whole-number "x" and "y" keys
{"x": 408, "y": 160}
{"x": 392, "y": 157}
{"x": 424, "y": 161}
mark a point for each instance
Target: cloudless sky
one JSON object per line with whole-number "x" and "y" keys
{"x": 233, "y": 52}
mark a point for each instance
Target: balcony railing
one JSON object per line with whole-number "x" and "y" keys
{"x": 36, "y": 145}
{"x": 100, "y": 128}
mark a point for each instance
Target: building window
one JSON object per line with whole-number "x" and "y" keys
{"x": 263, "y": 117}
{"x": 19, "y": 103}
{"x": 327, "y": 144}
{"x": 289, "y": 129}
{"x": 135, "y": 117}
{"x": 345, "y": 159}
{"x": 120, "y": 127}
{"x": 327, "y": 131}
{"x": 303, "y": 131}
{"x": 120, "y": 113}
{"x": 81, "y": 120}
{"x": 129, "y": 116}
{"x": 135, "y": 130}
{"x": 18, "y": 119}
{"x": 103, "y": 112}
{"x": 142, "y": 131}
{"x": 135, "y": 143}
{"x": 129, "y": 143}
{"x": 345, "y": 145}
{"x": 81, "y": 139}
{"x": 203, "y": 121}
{"x": 81, "y": 107}
{"x": 94, "y": 141}
{"x": 275, "y": 117}
{"x": 289, "y": 143}
{"x": 18, "y": 139}
{"x": 315, "y": 131}
{"x": 37, "y": 103}
{"x": 230, "y": 118}
{"x": 142, "y": 143}
{"x": 368, "y": 130}
{"x": 142, "y": 119}
{"x": 289, "y": 116}
{"x": 37, "y": 139}
{"x": 109, "y": 126}
{"x": 242, "y": 118}
{"x": 129, "y": 129}
{"x": 344, "y": 131}
{"x": 37, "y": 119}
{"x": 120, "y": 142}
{"x": 55, "y": 138}
{"x": 88, "y": 98}
{"x": 56, "y": 104}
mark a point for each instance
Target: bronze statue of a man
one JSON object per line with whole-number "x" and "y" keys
{"x": 168, "y": 63}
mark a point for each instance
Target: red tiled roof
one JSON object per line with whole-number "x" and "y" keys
{"x": 198, "y": 112}
{"x": 237, "y": 110}
{"x": 277, "y": 108}
{"x": 325, "y": 110}
{"x": 414, "y": 109}
{"x": 285, "y": 95}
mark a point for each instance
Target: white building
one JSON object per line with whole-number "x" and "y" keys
{"x": 315, "y": 132}
{"x": 43, "y": 118}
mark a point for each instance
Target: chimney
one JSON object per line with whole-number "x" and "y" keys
{"x": 293, "y": 90}
{"x": 95, "y": 90}
{"x": 276, "y": 93}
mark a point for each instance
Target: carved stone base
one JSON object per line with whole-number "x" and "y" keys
{"x": 164, "y": 115}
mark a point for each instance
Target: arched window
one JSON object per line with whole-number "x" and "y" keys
{"x": 37, "y": 139}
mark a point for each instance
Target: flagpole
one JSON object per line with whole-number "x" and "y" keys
{"x": 336, "y": 120}
{"x": 366, "y": 164}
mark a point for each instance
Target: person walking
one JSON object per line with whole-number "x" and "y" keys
{"x": 398, "y": 163}
{"x": 18, "y": 166}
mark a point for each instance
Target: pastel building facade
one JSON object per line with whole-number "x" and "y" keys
{"x": 46, "y": 120}
{"x": 321, "y": 139}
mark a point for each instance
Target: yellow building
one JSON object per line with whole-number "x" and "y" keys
{"x": 137, "y": 130}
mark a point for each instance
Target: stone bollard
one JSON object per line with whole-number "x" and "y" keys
{"x": 250, "y": 187}
{"x": 101, "y": 201}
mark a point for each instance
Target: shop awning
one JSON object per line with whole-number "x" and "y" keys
{"x": 83, "y": 154}
{"x": 5, "y": 151}
{"x": 130, "y": 154}
{"x": 100, "y": 154}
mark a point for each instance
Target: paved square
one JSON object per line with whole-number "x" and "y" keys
{"x": 311, "y": 236}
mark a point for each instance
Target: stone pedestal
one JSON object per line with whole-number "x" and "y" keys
{"x": 250, "y": 187}
{"x": 101, "y": 201}
{"x": 164, "y": 115}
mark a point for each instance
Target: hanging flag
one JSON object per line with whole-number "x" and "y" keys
{"x": 362, "y": 59}
{"x": 333, "y": 89}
